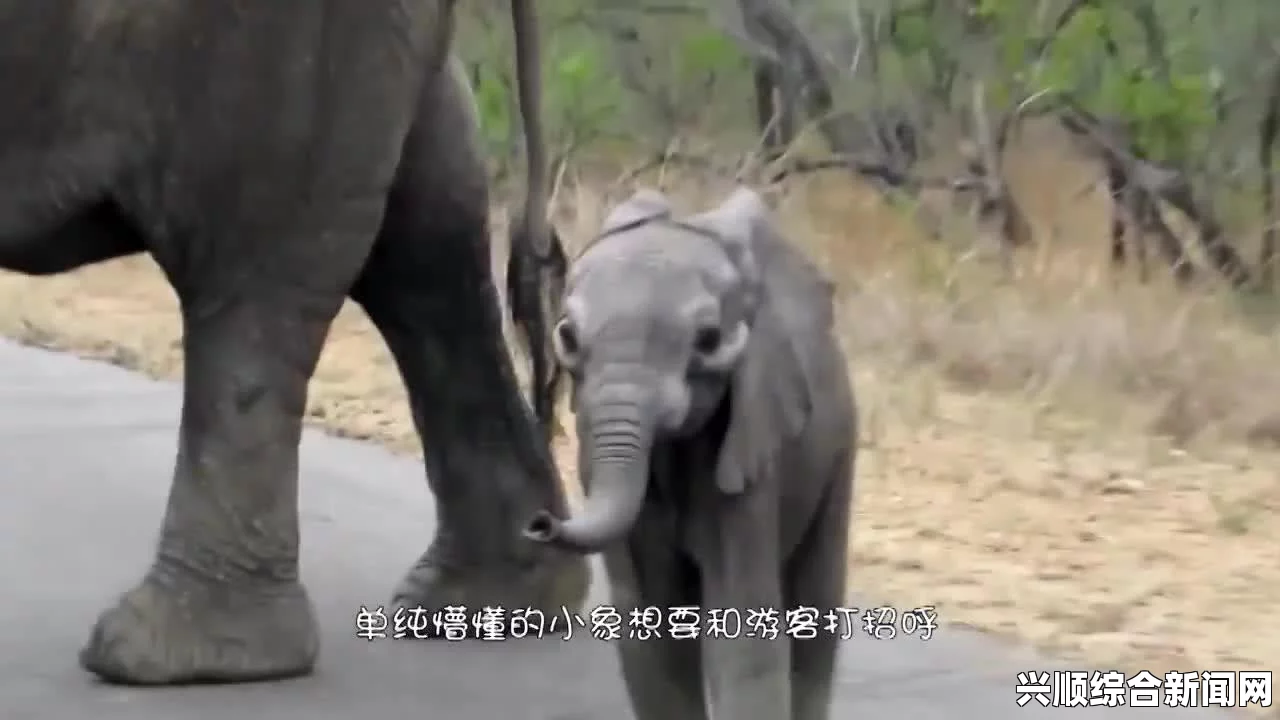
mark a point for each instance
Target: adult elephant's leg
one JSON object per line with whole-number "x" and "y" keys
{"x": 223, "y": 601}
{"x": 428, "y": 287}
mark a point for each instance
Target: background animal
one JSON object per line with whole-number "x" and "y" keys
{"x": 716, "y": 424}
{"x": 275, "y": 158}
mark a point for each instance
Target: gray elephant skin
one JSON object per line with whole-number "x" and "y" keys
{"x": 275, "y": 158}
{"x": 717, "y": 428}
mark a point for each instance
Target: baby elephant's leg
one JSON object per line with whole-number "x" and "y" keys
{"x": 816, "y": 578}
{"x": 663, "y": 676}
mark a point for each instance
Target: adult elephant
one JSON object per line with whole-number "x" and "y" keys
{"x": 275, "y": 158}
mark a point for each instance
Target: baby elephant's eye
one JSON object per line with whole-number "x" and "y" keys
{"x": 567, "y": 338}
{"x": 707, "y": 340}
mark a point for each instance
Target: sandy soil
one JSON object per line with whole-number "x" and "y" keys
{"x": 1078, "y": 532}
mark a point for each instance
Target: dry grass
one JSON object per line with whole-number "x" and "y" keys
{"x": 1065, "y": 458}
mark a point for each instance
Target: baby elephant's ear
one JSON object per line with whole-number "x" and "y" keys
{"x": 775, "y": 384}
{"x": 644, "y": 204}
{"x": 737, "y": 223}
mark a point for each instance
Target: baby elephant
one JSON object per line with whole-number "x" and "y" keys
{"x": 716, "y": 423}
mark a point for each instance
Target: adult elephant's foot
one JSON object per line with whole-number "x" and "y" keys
{"x": 176, "y": 630}
{"x": 551, "y": 582}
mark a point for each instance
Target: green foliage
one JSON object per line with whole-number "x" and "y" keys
{"x": 580, "y": 95}
{"x": 1102, "y": 60}
{"x": 1168, "y": 116}
{"x": 1168, "y": 106}
{"x": 584, "y": 96}
{"x": 912, "y": 33}
{"x": 685, "y": 74}
{"x": 492, "y": 98}
{"x": 688, "y": 83}
{"x": 706, "y": 53}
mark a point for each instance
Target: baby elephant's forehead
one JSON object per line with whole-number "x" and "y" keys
{"x": 650, "y": 259}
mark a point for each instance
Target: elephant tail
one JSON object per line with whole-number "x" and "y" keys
{"x": 537, "y": 264}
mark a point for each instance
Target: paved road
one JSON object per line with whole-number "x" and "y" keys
{"x": 87, "y": 451}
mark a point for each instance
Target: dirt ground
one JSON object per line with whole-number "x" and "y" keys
{"x": 1031, "y": 466}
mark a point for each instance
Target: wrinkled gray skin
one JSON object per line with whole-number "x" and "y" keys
{"x": 716, "y": 425}
{"x": 275, "y": 158}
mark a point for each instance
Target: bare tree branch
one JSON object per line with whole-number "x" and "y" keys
{"x": 1268, "y": 128}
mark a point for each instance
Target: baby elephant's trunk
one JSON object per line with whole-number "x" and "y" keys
{"x": 617, "y": 476}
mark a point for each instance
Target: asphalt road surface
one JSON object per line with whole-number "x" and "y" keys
{"x": 87, "y": 454}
